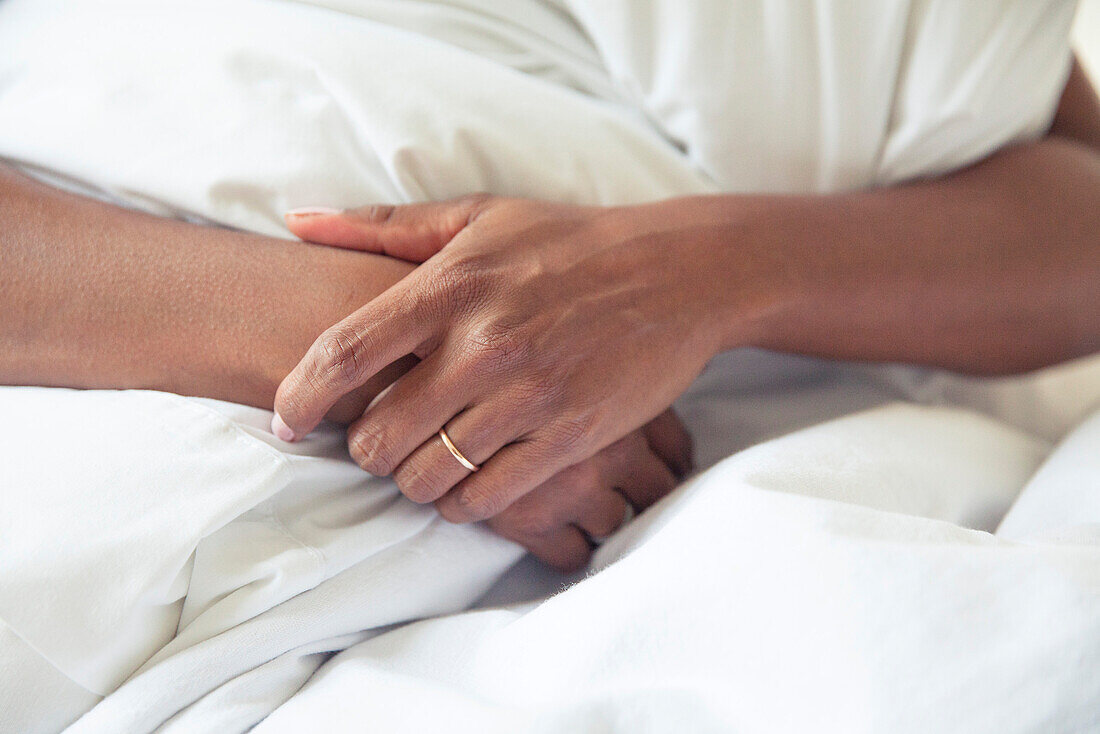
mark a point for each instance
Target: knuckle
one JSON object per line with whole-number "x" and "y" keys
{"x": 589, "y": 478}
{"x": 580, "y": 480}
{"x": 474, "y": 204}
{"x": 455, "y": 284}
{"x": 479, "y": 505}
{"x": 660, "y": 486}
{"x": 422, "y": 301}
{"x": 620, "y": 453}
{"x": 500, "y": 347}
{"x": 461, "y": 267}
{"x": 450, "y": 512}
{"x": 420, "y": 481}
{"x": 526, "y": 523}
{"x": 572, "y": 560}
{"x": 642, "y": 497}
{"x": 377, "y": 213}
{"x": 604, "y": 524}
{"x": 632, "y": 447}
{"x": 572, "y": 435}
{"x": 342, "y": 354}
{"x": 372, "y": 450}
{"x": 664, "y": 487}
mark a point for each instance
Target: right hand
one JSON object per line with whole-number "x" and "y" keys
{"x": 560, "y": 520}
{"x": 546, "y": 332}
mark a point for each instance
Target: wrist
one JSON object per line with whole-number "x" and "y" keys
{"x": 317, "y": 287}
{"x": 734, "y": 270}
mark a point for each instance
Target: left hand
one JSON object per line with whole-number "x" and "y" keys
{"x": 565, "y": 518}
{"x": 545, "y": 331}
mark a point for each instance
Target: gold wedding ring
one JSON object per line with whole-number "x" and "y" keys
{"x": 455, "y": 452}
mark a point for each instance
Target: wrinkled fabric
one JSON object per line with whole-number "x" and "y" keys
{"x": 767, "y": 595}
{"x": 177, "y": 568}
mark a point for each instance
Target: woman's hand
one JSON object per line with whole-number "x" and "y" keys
{"x": 546, "y": 332}
{"x": 562, "y": 520}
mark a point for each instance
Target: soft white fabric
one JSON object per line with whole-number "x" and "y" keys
{"x": 1062, "y": 500}
{"x": 170, "y": 545}
{"x": 734, "y": 607}
{"x": 792, "y": 95}
{"x": 256, "y": 106}
{"x": 179, "y": 537}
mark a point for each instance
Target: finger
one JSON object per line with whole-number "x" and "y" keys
{"x": 630, "y": 466}
{"x": 574, "y": 498}
{"x": 349, "y": 408}
{"x": 601, "y": 514}
{"x": 670, "y": 440}
{"x": 411, "y": 412}
{"x": 478, "y": 433}
{"x": 557, "y": 502}
{"x": 564, "y": 548}
{"x": 412, "y": 232}
{"x": 644, "y": 479}
{"x": 347, "y": 355}
{"x": 512, "y": 472}
{"x": 541, "y": 521}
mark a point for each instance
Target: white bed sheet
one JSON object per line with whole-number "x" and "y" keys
{"x": 178, "y": 568}
{"x": 767, "y": 596}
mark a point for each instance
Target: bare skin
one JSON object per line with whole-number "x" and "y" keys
{"x": 95, "y": 296}
{"x": 547, "y": 331}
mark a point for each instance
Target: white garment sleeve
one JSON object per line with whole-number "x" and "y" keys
{"x": 794, "y": 96}
{"x": 976, "y": 76}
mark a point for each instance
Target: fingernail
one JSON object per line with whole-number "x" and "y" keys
{"x": 312, "y": 211}
{"x": 281, "y": 429}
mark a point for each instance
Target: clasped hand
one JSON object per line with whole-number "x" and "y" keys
{"x": 551, "y": 338}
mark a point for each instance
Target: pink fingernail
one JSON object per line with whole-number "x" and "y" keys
{"x": 281, "y": 429}
{"x": 312, "y": 211}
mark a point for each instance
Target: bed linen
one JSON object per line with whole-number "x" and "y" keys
{"x": 767, "y": 595}
{"x": 181, "y": 570}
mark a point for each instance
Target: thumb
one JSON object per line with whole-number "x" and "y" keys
{"x": 411, "y": 232}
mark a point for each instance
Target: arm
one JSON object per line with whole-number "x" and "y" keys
{"x": 98, "y": 296}
{"x": 93, "y": 295}
{"x": 551, "y": 330}
{"x": 993, "y": 269}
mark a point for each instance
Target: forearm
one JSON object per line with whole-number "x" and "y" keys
{"x": 96, "y": 296}
{"x": 989, "y": 270}
{"x": 995, "y": 269}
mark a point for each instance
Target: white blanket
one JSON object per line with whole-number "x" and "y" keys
{"x": 176, "y": 567}
{"x": 736, "y": 607}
